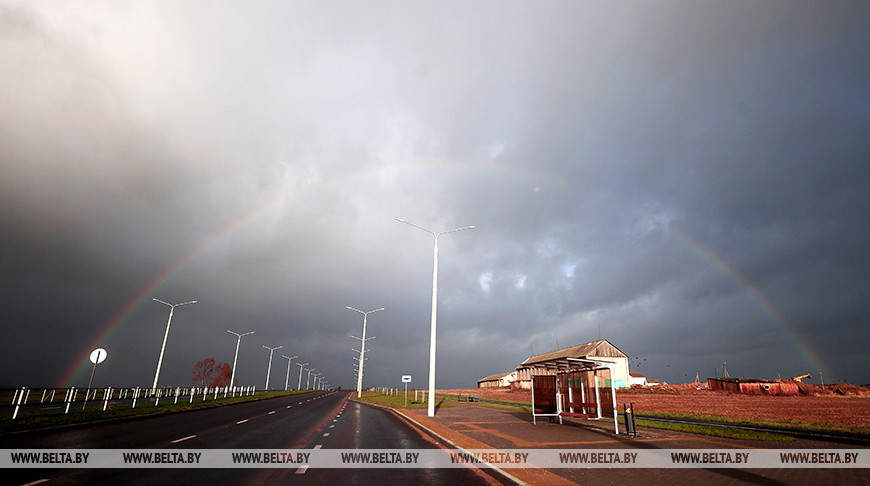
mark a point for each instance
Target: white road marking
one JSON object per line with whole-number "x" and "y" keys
{"x": 242, "y": 421}
{"x": 302, "y": 470}
{"x": 176, "y": 441}
{"x": 326, "y": 434}
{"x": 38, "y": 481}
{"x": 318, "y": 446}
{"x": 270, "y": 413}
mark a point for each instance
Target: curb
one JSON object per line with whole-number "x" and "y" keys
{"x": 530, "y": 476}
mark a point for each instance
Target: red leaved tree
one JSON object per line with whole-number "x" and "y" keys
{"x": 211, "y": 374}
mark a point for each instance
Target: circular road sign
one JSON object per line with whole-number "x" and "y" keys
{"x": 98, "y": 355}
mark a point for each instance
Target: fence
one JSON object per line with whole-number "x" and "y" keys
{"x": 61, "y": 400}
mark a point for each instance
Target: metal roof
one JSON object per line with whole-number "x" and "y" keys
{"x": 496, "y": 376}
{"x": 557, "y": 359}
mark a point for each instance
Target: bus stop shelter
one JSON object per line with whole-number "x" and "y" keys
{"x": 575, "y": 387}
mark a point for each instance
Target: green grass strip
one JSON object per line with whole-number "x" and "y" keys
{"x": 785, "y": 424}
{"x": 398, "y": 400}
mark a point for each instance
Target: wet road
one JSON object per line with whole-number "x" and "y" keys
{"x": 309, "y": 421}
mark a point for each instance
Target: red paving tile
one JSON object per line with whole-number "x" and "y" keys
{"x": 470, "y": 426}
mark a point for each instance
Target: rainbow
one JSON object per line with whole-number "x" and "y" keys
{"x": 767, "y": 306}
{"x": 81, "y": 365}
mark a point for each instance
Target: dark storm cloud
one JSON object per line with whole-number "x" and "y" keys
{"x": 688, "y": 178}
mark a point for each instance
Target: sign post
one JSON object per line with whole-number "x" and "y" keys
{"x": 406, "y": 379}
{"x": 97, "y": 356}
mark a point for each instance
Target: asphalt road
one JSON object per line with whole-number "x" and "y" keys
{"x": 313, "y": 420}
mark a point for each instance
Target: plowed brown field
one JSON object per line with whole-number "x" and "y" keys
{"x": 842, "y": 405}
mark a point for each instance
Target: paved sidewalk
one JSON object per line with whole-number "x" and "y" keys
{"x": 471, "y": 426}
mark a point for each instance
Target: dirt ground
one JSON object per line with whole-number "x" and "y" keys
{"x": 844, "y": 405}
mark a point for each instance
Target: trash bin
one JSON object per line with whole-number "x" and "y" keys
{"x": 628, "y": 414}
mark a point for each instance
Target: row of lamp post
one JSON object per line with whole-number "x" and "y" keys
{"x": 362, "y": 350}
{"x": 239, "y": 337}
{"x": 433, "y": 325}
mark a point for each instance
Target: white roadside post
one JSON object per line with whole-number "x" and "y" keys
{"x": 432, "y": 337}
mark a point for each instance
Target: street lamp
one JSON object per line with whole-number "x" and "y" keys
{"x": 236, "y": 357}
{"x": 431, "y": 411}
{"x": 308, "y": 380}
{"x": 287, "y": 380}
{"x": 165, "y": 336}
{"x": 362, "y": 347}
{"x": 299, "y": 385}
{"x": 269, "y": 369}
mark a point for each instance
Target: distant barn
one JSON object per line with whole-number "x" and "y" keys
{"x": 556, "y": 361}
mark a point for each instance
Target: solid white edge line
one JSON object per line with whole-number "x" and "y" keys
{"x": 446, "y": 440}
{"x": 176, "y": 441}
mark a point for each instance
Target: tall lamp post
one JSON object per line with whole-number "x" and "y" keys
{"x": 431, "y": 411}
{"x": 236, "y": 357}
{"x": 362, "y": 347}
{"x": 301, "y": 366}
{"x": 165, "y": 336}
{"x": 269, "y": 370}
{"x": 287, "y": 380}
{"x": 308, "y": 380}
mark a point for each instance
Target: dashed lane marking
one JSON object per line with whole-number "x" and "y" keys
{"x": 176, "y": 441}
{"x": 242, "y": 421}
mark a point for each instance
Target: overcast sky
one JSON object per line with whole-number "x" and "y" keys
{"x": 688, "y": 180}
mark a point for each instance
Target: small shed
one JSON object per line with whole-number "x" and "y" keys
{"x": 754, "y": 387}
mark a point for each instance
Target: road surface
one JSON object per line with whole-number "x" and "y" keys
{"x": 315, "y": 420}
